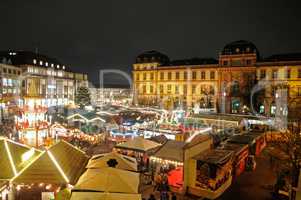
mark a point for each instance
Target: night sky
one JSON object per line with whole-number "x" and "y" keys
{"x": 96, "y": 34}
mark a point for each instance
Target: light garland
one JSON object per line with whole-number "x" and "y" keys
{"x": 57, "y": 166}
{"x": 163, "y": 161}
{"x": 10, "y": 158}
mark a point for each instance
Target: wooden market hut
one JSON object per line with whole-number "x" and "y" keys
{"x": 14, "y": 157}
{"x": 61, "y": 164}
{"x": 212, "y": 173}
{"x": 241, "y": 153}
{"x": 170, "y": 159}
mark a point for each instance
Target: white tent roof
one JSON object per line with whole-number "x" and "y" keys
{"x": 124, "y": 162}
{"x": 103, "y": 196}
{"x": 110, "y": 180}
{"x": 138, "y": 144}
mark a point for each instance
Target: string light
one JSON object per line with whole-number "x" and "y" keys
{"x": 10, "y": 158}
{"x": 58, "y": 166}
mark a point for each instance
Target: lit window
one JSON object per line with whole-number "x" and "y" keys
{"x": 58, "y": 66}
{"x": 46, "y": 64}
{"x": 34, "y": 61}
{"x": 52, "y": 65}
{"x": 41, "y": 62}
{"x": 63, "y": 66}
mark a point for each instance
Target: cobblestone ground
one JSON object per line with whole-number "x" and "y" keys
{"x": 254, "y": 185}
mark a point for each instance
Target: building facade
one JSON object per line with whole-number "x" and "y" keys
{"x": 43, "y": 78}
{"x": 240, "y": 81}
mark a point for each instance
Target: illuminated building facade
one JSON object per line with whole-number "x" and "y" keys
{"x": 43, "y": 83}
{"x": 223, "y": 85}
{"x": 9, "y": 88}
{"x": 100, "y": 96}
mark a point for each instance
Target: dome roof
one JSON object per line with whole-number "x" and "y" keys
{"x": 152, "y": 56}
{"x": 240, "y": 47}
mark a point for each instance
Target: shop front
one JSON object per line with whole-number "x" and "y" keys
{"x": 212, "y": 173}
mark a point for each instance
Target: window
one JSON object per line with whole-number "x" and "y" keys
{"x": 235, "y": 88}
{"x": 41, "y": 62}
{"x": 225, "y": 62}
{"x": 46, "y": 64}
{"x": 168, "y": 88}
{"x": 176, "y": 89}
{"x": 144, "y": 89}
{"x": 9, "y": 71}
{"x": 249, "y": 62}
{"x": 169, "y": 75}
{"x": 137, "y": 77}
{"x": 14, "y": 71}
{"x": 177, "y": 75}
{"x": 185, "y": 75}
{"x": 212, "y": 75}
{"x": 161, "y": 76}
{"x": 34, "y": 61}
{"x": 299, "y": 73}
{"x": 151, "y": 89}
{"x": 262, "y": 73}
{"x": 194, "y": 75}
{"x": 274, "y": 74}
{"x": 144, "y": 76}
{"x": 193, "y": 89}
{"x": 161, "y": 89}
{"x": 151, "y": 76}
{"x": 4, "y": 70}
{"x": 184, "y": 89}
{"x": 288, "y": 74}
{"x": 203, "y": 75}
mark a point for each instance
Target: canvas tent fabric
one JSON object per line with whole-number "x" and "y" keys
{"x": 171, "y": 150}
{"x": 110, "y": 180}
{"x": 138, "y": 144}
{"x": 123, "y": 162}
{"x": 61, "y": 163}
{"x": 14, "y": 157}
{"x": 104, "y": 196}
{"x": 71, "y": 159}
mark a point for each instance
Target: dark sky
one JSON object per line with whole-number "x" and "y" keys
{"x": 97, "y": 34}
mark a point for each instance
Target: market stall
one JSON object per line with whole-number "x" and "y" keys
{"x": 168, "y": 160}
{"x": 139, "y": 148}
{"x": 15, "y": 157}
{"x": 122, "y": 161}
{"x": 108, "y": 183}
{"x": 241, "y": 153}
{"x": 61, "y": 164}
{"x": 212, "y": 175}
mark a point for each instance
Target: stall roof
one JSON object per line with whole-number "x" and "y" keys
{"x": 104, "y": 196}
{"x": 123, "y": 162}
{"x": 241, "y": 139}
{"x": 197, "y": 139}
{"x": 161, "y": 139}
{"x": 108, "y": 180}
{"x": 171, "y": 150}
{"x": 138, "y": 144}
{"x": 215, "y": 156}
{"x": 236, "y": 148}
{"x": 14, "y": 157}
{"x": 227, "y": 117}
{"x": 61, "y": 163}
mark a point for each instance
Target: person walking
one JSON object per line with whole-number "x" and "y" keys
{"x": 152, "y": 197}
{"x": 173, "y": 196}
